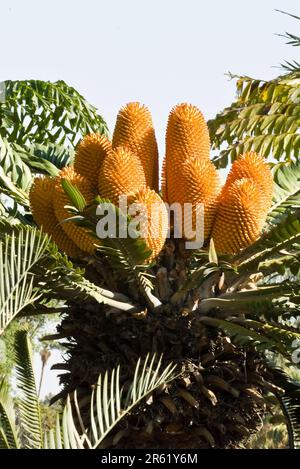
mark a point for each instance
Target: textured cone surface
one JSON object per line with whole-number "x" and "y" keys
{"x": 199, "y": 184}
{"x": 134, "y": 130}
{"x": 187, "y": 137}
{"x": 252, "y": 165}
{"x": 41, "y": 203}
{"x": 121, "y": 174}
{"x": 240, "y": 216}
{"x": 90, "y": 155}
{"x": 80, "y": 235}
{"x": 152, "y": 210}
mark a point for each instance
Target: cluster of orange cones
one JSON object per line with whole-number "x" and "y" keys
{"x": 233, "y": 215}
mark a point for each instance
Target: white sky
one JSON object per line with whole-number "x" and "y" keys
{"x": 159, "y": 52}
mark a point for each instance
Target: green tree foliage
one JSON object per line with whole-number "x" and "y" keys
{"x": 265, "y": 117}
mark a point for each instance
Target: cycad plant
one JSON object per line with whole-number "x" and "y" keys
{"x": 210, "y": 310}
{"x": 213, "y": 311}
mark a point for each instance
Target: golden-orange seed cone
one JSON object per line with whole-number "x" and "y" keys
{"x": 134, "y": 130}
{"x": 121, "y": 174}
{"x": 252, "y": 165}
{"x": 200, "y": 184}
{"x": 240, "y": 216}
{"x": 187, "y": 137}
{"x": 41, "y": 203}
{"x": 90, "y": 154}
{"x": 151, "y": 208}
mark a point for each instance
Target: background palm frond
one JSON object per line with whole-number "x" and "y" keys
{"x": 20, "y": 252}
{"x": 28, "y": 404}
{"x": 9, "y": 434}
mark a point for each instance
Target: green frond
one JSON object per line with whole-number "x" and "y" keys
{"x": 9, "y": 433}
{"x": 13, "y": 166}
{"x": 264, "y": 118}
{"x": 252, "y": 302}
{"x": 41, "y": 123}
{"x": 20, "y": 252}
{"x": 292, "y": 66}
{"x": 290, "y": 404}
{"x": 200, "y": 276}
{"x": 286, "y": 192}
{"x": 281, "y": 264}
{"x": 28, "y": 404}
{"x": 273, "y": 242}
{"x": 125, "y": 253}
{"x": 262, "y": 335}
{"x": 36, "y": 111}
{"x": 109, "y": 404}
{"x": 45, "y": 159}
{"x": 55, "y": 277}
{"x": 15, "y": 177}
{"x": 286, "y": 335}
{"x": 85, "y": 289}
{"x": 241, "y": 335}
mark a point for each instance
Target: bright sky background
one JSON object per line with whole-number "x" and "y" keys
{"x": 159, "y": 52}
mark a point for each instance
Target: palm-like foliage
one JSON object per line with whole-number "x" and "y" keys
{"x": 109, "y": 404}
{"x": 19, "y": 254}
{"x": 28, "y": 404}
{"x": 33, "y": 270}
{"x": 264, "y": 117}
{"x": 35, "y": 112}
{"x": 9, "y": 435}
